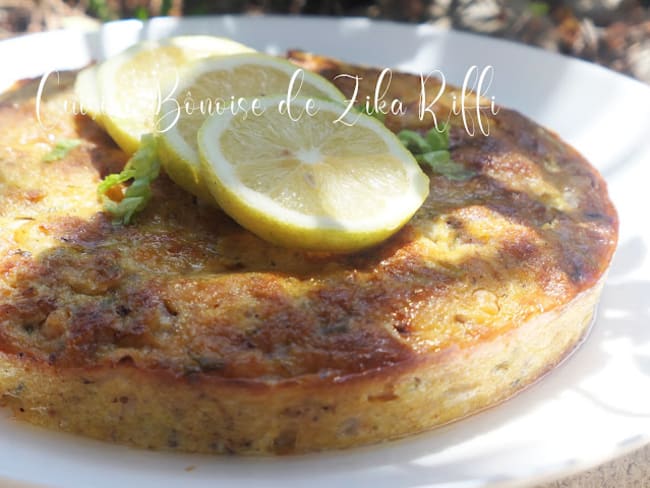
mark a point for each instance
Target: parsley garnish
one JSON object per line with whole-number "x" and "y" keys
{"x": 61, "y": 149}
{"x": 432, "y": 150}
{"x": 142, "y": 169}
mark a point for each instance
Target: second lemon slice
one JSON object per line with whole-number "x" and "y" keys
{"x": 129, "y": 84}
{"x": 311, "y": 183}
{"x": 217, "y": 85}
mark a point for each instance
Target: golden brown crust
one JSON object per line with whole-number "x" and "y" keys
{"x": 194, "y": 321}
{"x": 205, "y": 413}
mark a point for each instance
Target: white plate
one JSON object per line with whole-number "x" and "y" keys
{"x": 594, "y": 406}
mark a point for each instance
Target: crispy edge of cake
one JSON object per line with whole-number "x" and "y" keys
{"x": 200, "y": 413}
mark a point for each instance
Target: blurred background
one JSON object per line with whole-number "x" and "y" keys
{"x": 614, "y": 33}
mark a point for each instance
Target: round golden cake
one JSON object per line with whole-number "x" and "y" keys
{"x": 184, "y": 331}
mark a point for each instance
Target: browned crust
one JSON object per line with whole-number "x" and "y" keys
{"x": 185, "y": 331}
{"x": 211, "y": 414}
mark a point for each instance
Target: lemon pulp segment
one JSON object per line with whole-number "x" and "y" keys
{"x": 311, "y": 183}
{"x": 217, "y": 85}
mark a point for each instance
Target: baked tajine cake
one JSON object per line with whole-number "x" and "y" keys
{"x": 185, "y": 331}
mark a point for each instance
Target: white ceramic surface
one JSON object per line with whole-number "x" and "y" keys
{"x": 594, "y": 406}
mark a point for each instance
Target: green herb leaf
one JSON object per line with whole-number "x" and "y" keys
{"x": 440, "y": 162}
{"x": 112, "y": 180}
{"x": 141, "y": 170}
{"x": 61, "y": 149}
{"x": 438, "y": 140}
{"x": 413, "y": 141}
{"x": 432, "y": 150}
{"x": 434, "y": 158}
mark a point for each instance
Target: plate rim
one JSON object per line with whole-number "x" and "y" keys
{"x": 30, "y": 38}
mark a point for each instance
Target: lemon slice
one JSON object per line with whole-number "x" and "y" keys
{"x": 312, "y": 183}
{"x": 87, "y": 90}
{"x": 218, "y": 84}
{"x": 130, "y": 83}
